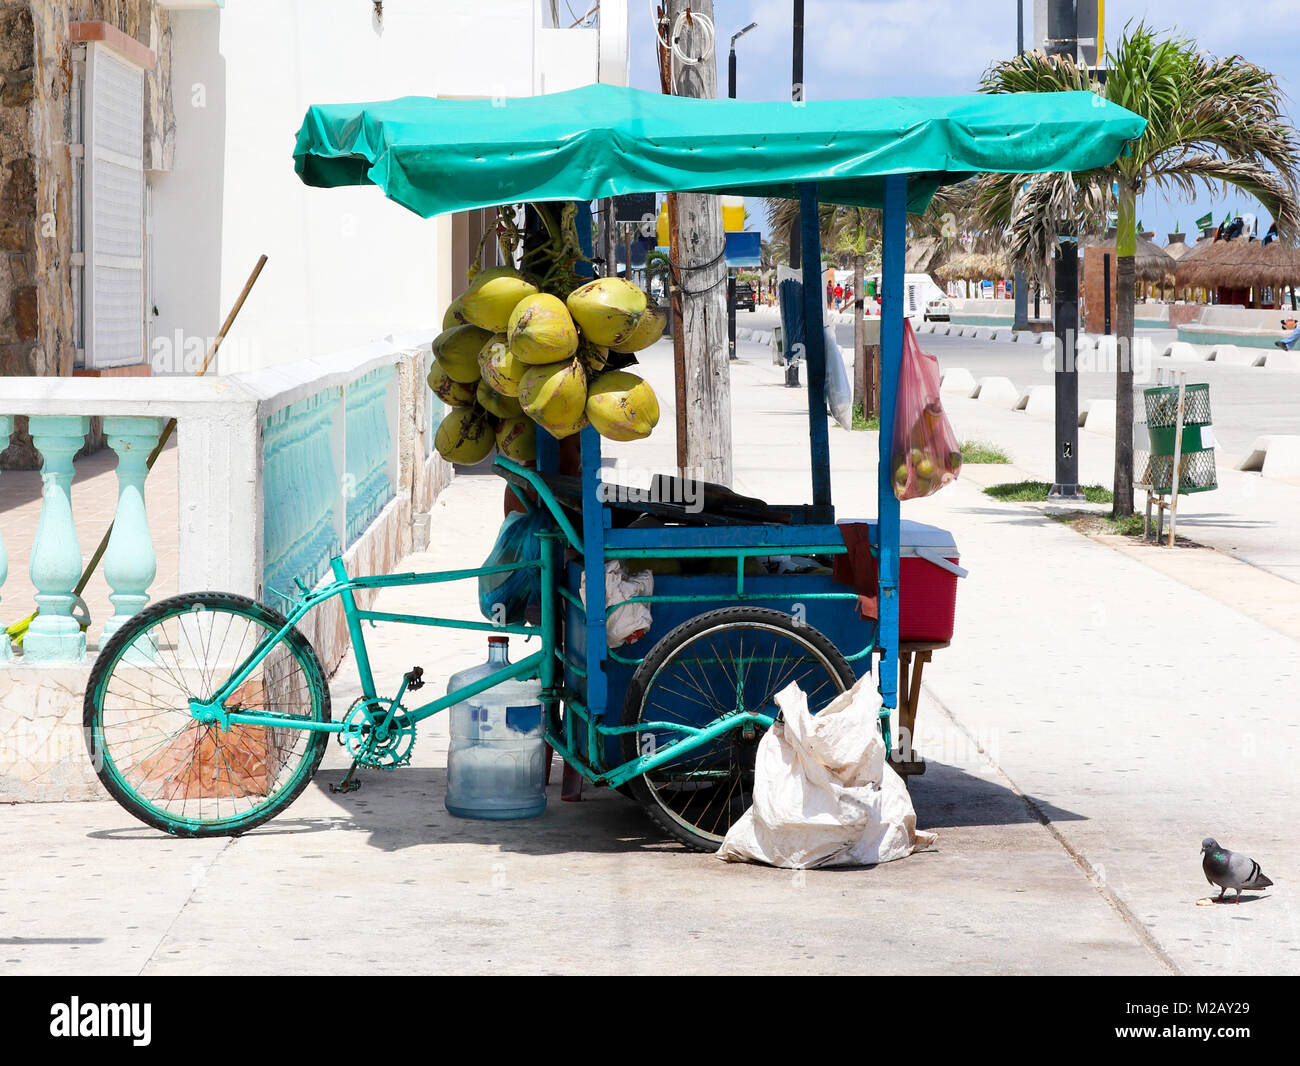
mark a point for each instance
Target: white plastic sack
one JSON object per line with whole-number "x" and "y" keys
{"x": 839, "y": 391}
{"x": 824, "y": 794}
{"x": 632, "y": 619}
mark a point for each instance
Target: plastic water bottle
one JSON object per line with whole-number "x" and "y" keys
{"x": 496, "y": 765}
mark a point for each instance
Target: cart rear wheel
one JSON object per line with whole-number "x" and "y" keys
{"x": 736, "y": 658}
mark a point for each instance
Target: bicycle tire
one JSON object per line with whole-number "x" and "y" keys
{"x": 246, "y": 754}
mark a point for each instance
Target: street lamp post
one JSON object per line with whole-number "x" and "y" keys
{"x": 731, "y": 278}
{"x": 731, "y": 59}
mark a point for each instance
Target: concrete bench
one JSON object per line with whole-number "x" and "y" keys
{"x": 1184, "y": 350}
{"x": 1241, "y": 326}
{"x": 998, "y": 391}
{"x": 1039, "y": 402}
{"x": 1276, "y": 455}
{"x": 1280, "y": 360}
{"x": 1099, "y": 417}
{"x": 958, "y": 380}
{"x": 1235, "y": 355}
{"x": 1151, "y": 316}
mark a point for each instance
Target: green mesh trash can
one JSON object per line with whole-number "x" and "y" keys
{"x": 1196, "y": 471}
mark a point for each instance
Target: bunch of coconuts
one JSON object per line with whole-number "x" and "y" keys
{"x": 511, "y": 357}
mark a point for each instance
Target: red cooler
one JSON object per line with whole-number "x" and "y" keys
{"x": 927, "y": 576}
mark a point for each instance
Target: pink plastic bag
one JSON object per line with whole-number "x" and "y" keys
{"x": 925, "y": 455}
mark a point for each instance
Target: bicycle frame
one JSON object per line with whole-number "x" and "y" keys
{"x": 213, "y": 711}
{"x": 542, "y": 664}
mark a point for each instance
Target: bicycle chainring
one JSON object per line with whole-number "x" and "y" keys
{"x": 386, "y": 751}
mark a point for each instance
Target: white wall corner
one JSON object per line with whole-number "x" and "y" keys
{"x": 614, "y": 43}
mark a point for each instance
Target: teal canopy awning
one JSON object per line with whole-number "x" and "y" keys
{"x": 434, "y": 156}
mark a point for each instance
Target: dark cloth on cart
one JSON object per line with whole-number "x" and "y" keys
{"x": 857, "y": 569}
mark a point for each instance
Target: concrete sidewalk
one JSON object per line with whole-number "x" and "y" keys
{"x": 385, "y": 881}
{"x": 1248, "y": 517}
{"x": 1122, "y": 716}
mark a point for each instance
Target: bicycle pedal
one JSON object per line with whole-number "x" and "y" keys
{"x": 415, "y": 678}
{"x": 345, "y": 786}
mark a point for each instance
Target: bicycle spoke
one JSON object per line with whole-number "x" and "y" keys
{"x": 162, "y": 763}
{"x": 717, "y": 671}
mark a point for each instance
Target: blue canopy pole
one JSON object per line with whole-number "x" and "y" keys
{"x": 891, "y": 357}
{"x": 595, "y": 521}
{"x": 814, "y": 344}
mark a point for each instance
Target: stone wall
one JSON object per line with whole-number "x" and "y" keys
{"x": 36, "y": 123}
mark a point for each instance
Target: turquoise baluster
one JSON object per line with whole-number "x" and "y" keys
{"x": 6, "y": 428}
{"x": 54, "y": 635}
{"x": 130, "y": 563}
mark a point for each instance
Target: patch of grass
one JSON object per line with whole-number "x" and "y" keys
{"x": 1128, "y": 526}
{"x": 860, "y": 421}
{"x": 1036, "y": 492}
{"x": 1090, "y": 524}
{"x": 980, "y": 451}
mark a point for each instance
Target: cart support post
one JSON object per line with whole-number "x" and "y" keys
{"x": 814, "y": 346}
{"x": 594, "y": 515}
{"x": 891, "y": 358}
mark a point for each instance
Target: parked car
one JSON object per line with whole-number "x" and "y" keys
{"x": 937, "y": 310}
{"x": 744, "y": 296}
{"x": 919, "y": 291}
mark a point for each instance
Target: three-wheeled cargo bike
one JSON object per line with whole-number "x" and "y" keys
{"x": 209, "y": 712}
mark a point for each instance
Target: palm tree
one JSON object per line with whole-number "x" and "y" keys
{"x": 1209, "y": 121}
{"x": 856, "y": 231}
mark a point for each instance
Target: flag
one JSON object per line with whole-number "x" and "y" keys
{"x": 1205, "y": 221}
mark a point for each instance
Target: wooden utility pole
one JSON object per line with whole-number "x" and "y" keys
{"x": 697, "y": 244}
{"x": 607, "y": 237}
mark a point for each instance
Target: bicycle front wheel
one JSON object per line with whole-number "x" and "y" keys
{"x": 175, "y": 773}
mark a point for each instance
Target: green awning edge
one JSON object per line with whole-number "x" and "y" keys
{"x": 440, "y": 155}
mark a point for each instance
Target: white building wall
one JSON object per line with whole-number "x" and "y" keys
{"x": 345, "y": 266}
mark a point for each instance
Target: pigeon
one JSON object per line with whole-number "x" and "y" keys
{"x": 1228, "y": 870}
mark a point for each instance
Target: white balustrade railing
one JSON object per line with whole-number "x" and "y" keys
{"x": 276, "y": 470}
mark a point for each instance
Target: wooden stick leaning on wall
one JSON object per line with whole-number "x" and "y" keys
{"x": 18, "y": 630}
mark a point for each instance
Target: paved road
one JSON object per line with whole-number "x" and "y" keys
{"x": 1247, "y": 401}
{"x": 1249, "y": 517}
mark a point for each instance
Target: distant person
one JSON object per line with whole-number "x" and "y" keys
{"x": 830, "y": 293}
{"x": 1232, "y": 230}
{"x": 1288, "y": 342}
{"x": 839, "y": 297}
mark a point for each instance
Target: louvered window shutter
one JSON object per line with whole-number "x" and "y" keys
{"x": 114, "y": 197}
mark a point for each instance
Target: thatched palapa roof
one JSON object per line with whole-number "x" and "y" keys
{"x": 974, "y": 266}
{"x": 1241, "y": 264}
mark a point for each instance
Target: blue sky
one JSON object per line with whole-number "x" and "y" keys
{"x": 864, "y": 48}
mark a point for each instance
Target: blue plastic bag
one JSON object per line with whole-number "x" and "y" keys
{"x": 505, "y": 597}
